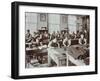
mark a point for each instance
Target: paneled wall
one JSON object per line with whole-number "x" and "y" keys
{"x": 79, "y": 23}
{"x": 53, "y": 22}
{"x": 63, "y": 22}
{"x": 42, "y": 20}
{"x": 31, "y": 22}
{"x": 72, "y": 23}
{"x": 86, "y": 22}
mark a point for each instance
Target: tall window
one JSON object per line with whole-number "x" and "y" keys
{"x": 31, "y": 21}
{"x": 72, "y": 23}
{"x": 53, "y": 23}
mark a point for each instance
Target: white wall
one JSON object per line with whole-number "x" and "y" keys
{"x": 40, "y": 23}
{"x": 5, "y": 40}
{"x": 54, "y": 22}
{"x": 72, "y": 23}
{"x": 31, "y": 22}
{"x": 79, "y": 23}
{"x": 63, "y": 22}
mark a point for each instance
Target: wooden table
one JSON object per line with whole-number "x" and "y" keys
{"x": 30, "y": 52}
{"x": 62, "y": 56}
{"x": 57, "y": 55}
{"x": 73, "y": 52}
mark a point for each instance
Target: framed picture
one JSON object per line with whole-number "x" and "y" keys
{"x": 42, "y": 17}
{"x": 64, "y": 49}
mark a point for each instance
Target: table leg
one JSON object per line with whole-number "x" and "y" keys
{"x": 58, "y": 63}
{"x": 49, "y": 60}
{"x": 67, "y": 60}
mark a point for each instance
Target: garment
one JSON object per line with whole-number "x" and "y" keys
{"x": 28, "y": 37}
{"x": 54, "y": 44}
{"x": 66, "y": 43}
{"x": 86, "y": 36}
{"x": 82, "y": 41}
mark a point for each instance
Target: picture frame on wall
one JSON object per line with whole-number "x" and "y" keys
{"x": 42, "y": 17}
{"x": 66, "y": 46}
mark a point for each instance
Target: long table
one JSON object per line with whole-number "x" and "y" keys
{"x": 62, "y": 56}
{"x": 73, "y": 52}
{"x": 38, "y": 53}
{"x": 57, "y": 55}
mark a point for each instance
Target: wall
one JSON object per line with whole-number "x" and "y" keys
{"x": 63, "y": 21}
{"x": 41, "y": 23}
{"x": 5, "y": 40}
{"x": 31, "y": 22}
{"x": 72, "y": 23}
{"x": 79, "y": 23}
{"x": 54, "y": 22}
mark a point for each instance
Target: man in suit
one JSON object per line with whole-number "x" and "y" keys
{"x": 82, "y": 40}
{"x": 54, "y": 43}
{"x": 28, "y": 36}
